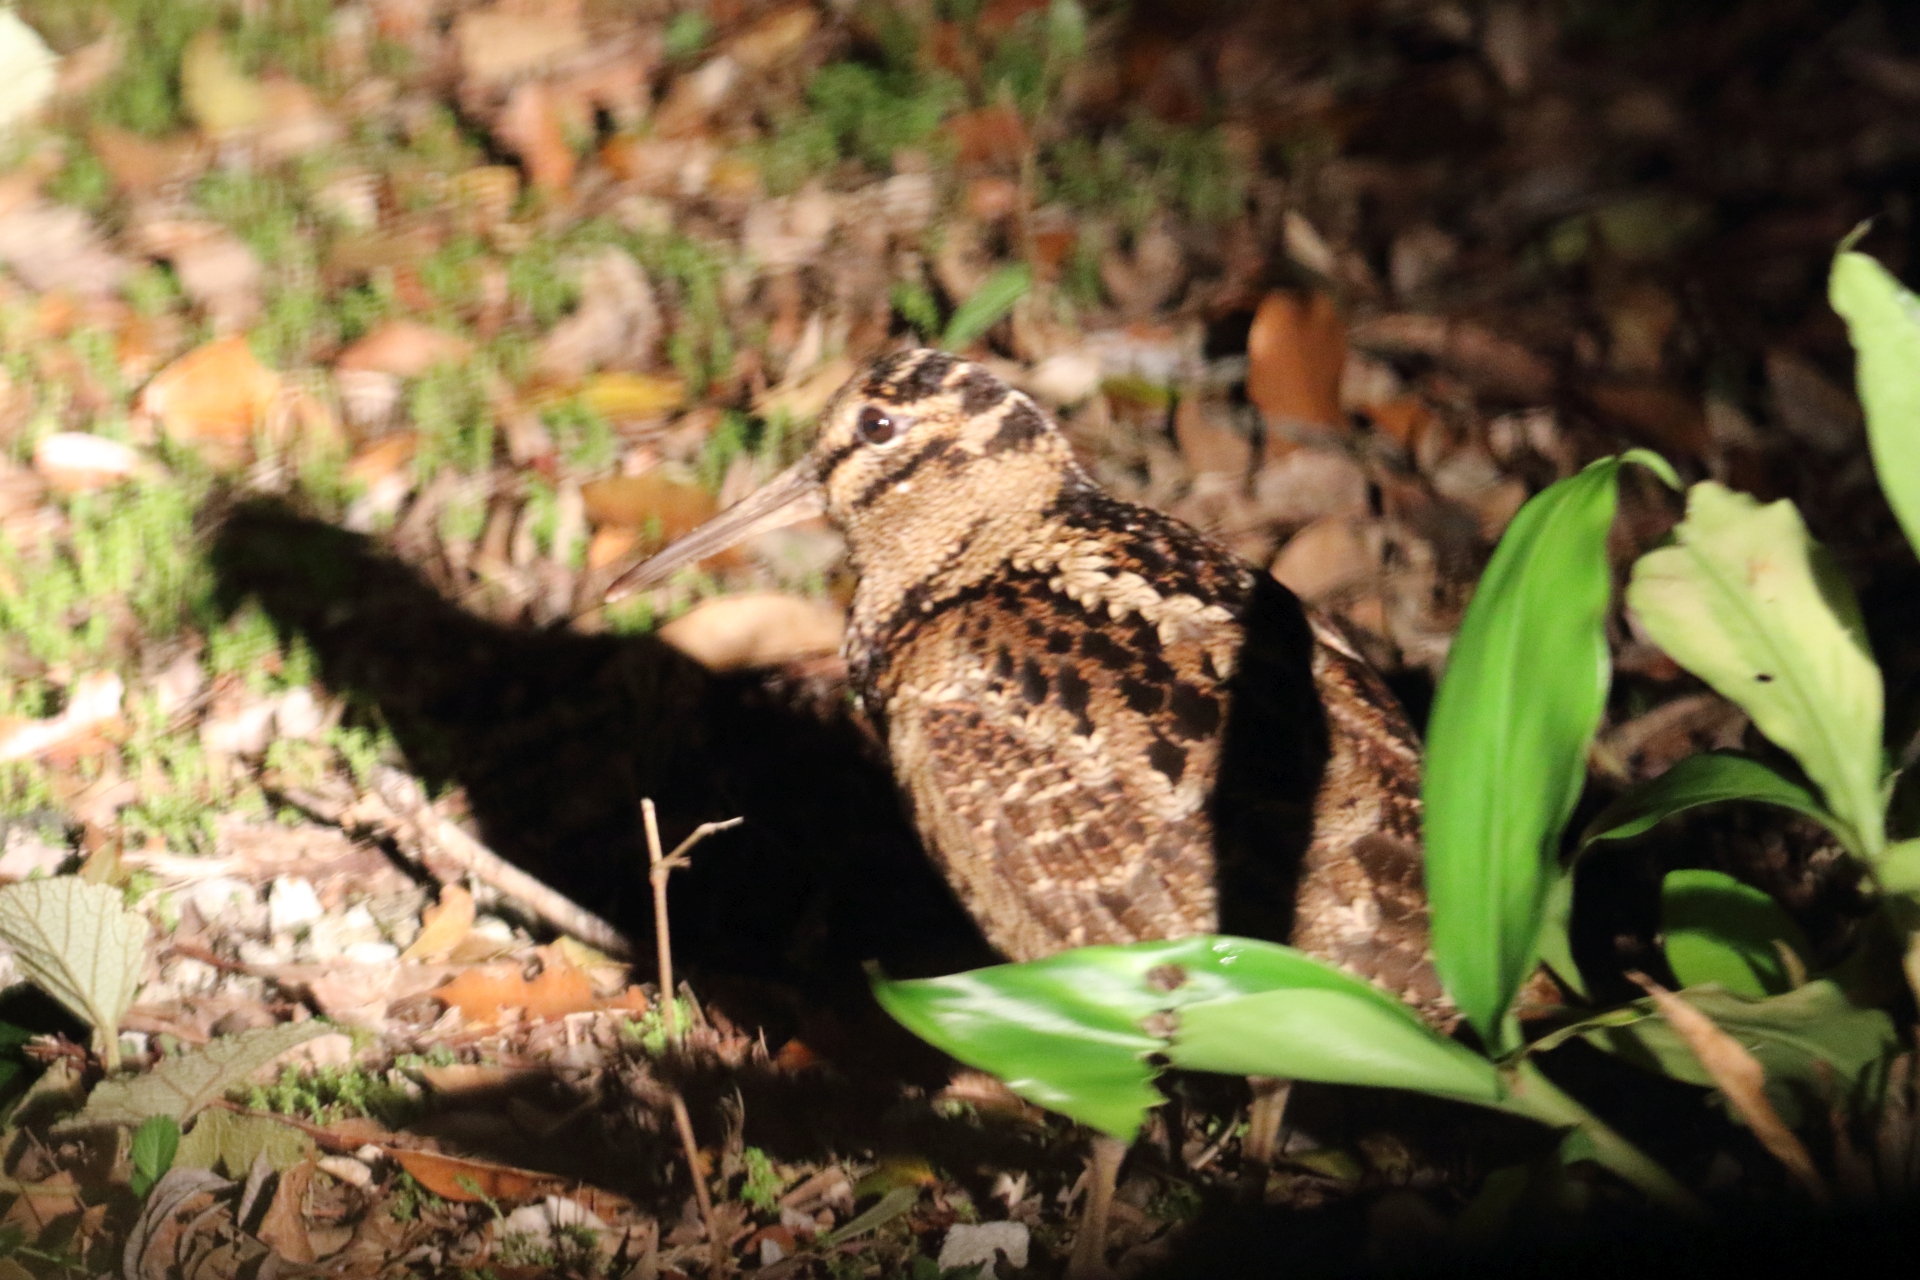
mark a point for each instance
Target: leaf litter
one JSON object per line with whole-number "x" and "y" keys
{"x": 518, "y": 291}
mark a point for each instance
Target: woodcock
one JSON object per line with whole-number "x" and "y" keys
{"x": 1109, "y": 728}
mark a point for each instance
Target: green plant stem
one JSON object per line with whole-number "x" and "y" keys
{"x": 1531, "y": 1094}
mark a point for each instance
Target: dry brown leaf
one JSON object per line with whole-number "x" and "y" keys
{"x": 1296, "y": 351}
{"x": 284, "y": 1228}
{"x": 628, "y": 397}
{"x": 442, "y": 926}
{"x": 478, "y": 1077}
{"x": 474, "y": 1181}
{"x": 383, "y": 458}
{"x": 774, "y": 37}
{"x": 404, "y": 348}
{"x": 990, "y": 137}
{"x": 1209, "y": 446}
{"x": 1493, "y": 364}
{"x": 296, "y": 123}
{"x": 618, "y": 322}
{"x": 36, "y": 1204}
{"x": 610, "y": 545}
{"x": 216, "y": 394}
{"x": 505, "y": 41}
{"x": 141, "y": 166}
{"x": 530, "y": 128}
{"x": 52, "y": 246}
{"x": 739, "y": 632}
{"x": 487, "y": 193}
{"x": 1742, "y": 1079}
{"x": 485, "y": 992}
{"x": 217, "y": 271}
{"x": 1673, "y": 421}
{"x": 1811, "y": 407}
{"x": 635, "y": 501}
{"x": 1406, "y": 419}
{"x": 1327, "y": 557}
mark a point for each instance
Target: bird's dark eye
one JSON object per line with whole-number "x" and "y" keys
{"x": 875, "y": 427}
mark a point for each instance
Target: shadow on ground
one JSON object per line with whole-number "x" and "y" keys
{"x": 556, "y": 736}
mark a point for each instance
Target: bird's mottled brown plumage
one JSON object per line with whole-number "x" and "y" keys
{"x": 1109, "y": 728}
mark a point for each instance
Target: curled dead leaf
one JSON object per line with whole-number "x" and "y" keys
{"x": 442, "y": 926}
{"x": 215, "y": 394}
{"x": 738, "y": 632}
{"x": 530, "y": 127}
{"x": 1296, "y": 351}
{"x": 473, "y": 1181}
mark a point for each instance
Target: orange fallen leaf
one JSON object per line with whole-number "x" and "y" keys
{"x": 610, "y": 545}
{"x": 634, "y": 501}
{"x": 141, "y": 166}
{"x": 1406, "y": 419}
{"x": 990, "y": 136}
{"x": 383, "y": 458}
{"x": 473, "y": 1181}
{"x": 37, "y": 1204}
{"x": 443, "y": 926}
{"x": 486, "y": 991}
{"x": 215, "y": 394}
{"x": 1295, "y": 353}
{"x": 404, "y": 348}
{"x": 531, "y": 129}
{"x": 284, "y": 1227}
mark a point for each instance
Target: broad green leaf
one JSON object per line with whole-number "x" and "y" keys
{"x": 1063, "y": 1032}
{"x": 1808, "y": 1041}
{"x": 1899, "y": 868}
{"x": 1883, "y": 320}
{"x": 78, "y": 943}
{"x": 1748, "y": 602}
{"x": 154, "y": 1144}
{"x": 222, "y": 1139}
{"x": 1720, "y": 930}
{"x": 1709, "y": 778}
{"x": 1556, "y": 935}
{"x": 1071, "y": 1031}
{"x": 1333, "y": 1036}
{"x": 983, "y": 310}
{"x": 1525, "y": 685}
{"x": 180, "y": 1087}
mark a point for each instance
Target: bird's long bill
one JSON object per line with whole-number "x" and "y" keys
{"x": 788, "y": 498}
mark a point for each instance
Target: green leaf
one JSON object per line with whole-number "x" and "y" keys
{"x": 1807, "y": 1040}
{"x": 1354, "y": 1035}
{"x": 1556, "y": 935}
{"x": 1899, "y": 868}
{"x": 1720, "y": 930}
{"x": 180, "y": 1087}
{"x": 1072, "y": 1032}
{"x": 78, "y": 943}
{"x": 1525, "y": 685}
{"x": 984, "y": 309}
{"x": 1748, "y": 602}
{"x": 1709, "y": 778}
{"x": 222, "y": 1139}
{"x": 1883, "y": 320}
{"x": 154, "y": 1145}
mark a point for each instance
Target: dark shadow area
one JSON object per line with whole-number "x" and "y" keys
{"x": 556, "y": 736}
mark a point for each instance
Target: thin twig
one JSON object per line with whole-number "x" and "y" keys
{"x": 660, "y": 866}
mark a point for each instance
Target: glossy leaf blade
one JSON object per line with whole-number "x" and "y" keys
{"x": 1883, "y": 320}
{"x": 1710, "y": 778}
{"x": 1525, "y": 685}
{"x": 1069, "y": 1032}
{"x": 1332, "y": 1036}
{"x": 1899, "y": 868}
{"x": 995, "y": 297}
{"x": 1722, "y": 931}
{"x": 1747, "y": 601}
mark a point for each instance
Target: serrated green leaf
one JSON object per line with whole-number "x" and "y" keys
{"x": 1525, "y": 685}
{"x": 1808, "y": 1041}
{"x": 155, "y": 1143}
{"x": 78, "y": 943}
{"x": 180, "y": 1087}
{"x": 1721, "y": 931}
{"x": 983, "y": 310}
{"x": 1883, "y": 320}
{"x": 1750, "y": 603}
{"x": 226, "y": 1140}
{"x": 1709, "y": 778}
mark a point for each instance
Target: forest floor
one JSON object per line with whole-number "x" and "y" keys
{"x": 348, "y": 351}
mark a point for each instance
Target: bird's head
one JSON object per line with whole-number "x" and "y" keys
{"x": 918, "y": 455}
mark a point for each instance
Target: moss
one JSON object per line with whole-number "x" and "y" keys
{"x": 873, "y": 113}
{"x": 585, "y": 439}
{"x": 686, "y": 35}
{"x": 453, "y": 421}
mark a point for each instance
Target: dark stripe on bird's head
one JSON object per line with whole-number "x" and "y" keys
{"x": 1020, "y": 428}
{"x": 980, "y": 391}
{"x": 909, "y": 376}
{"x": 928, "y": 452}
